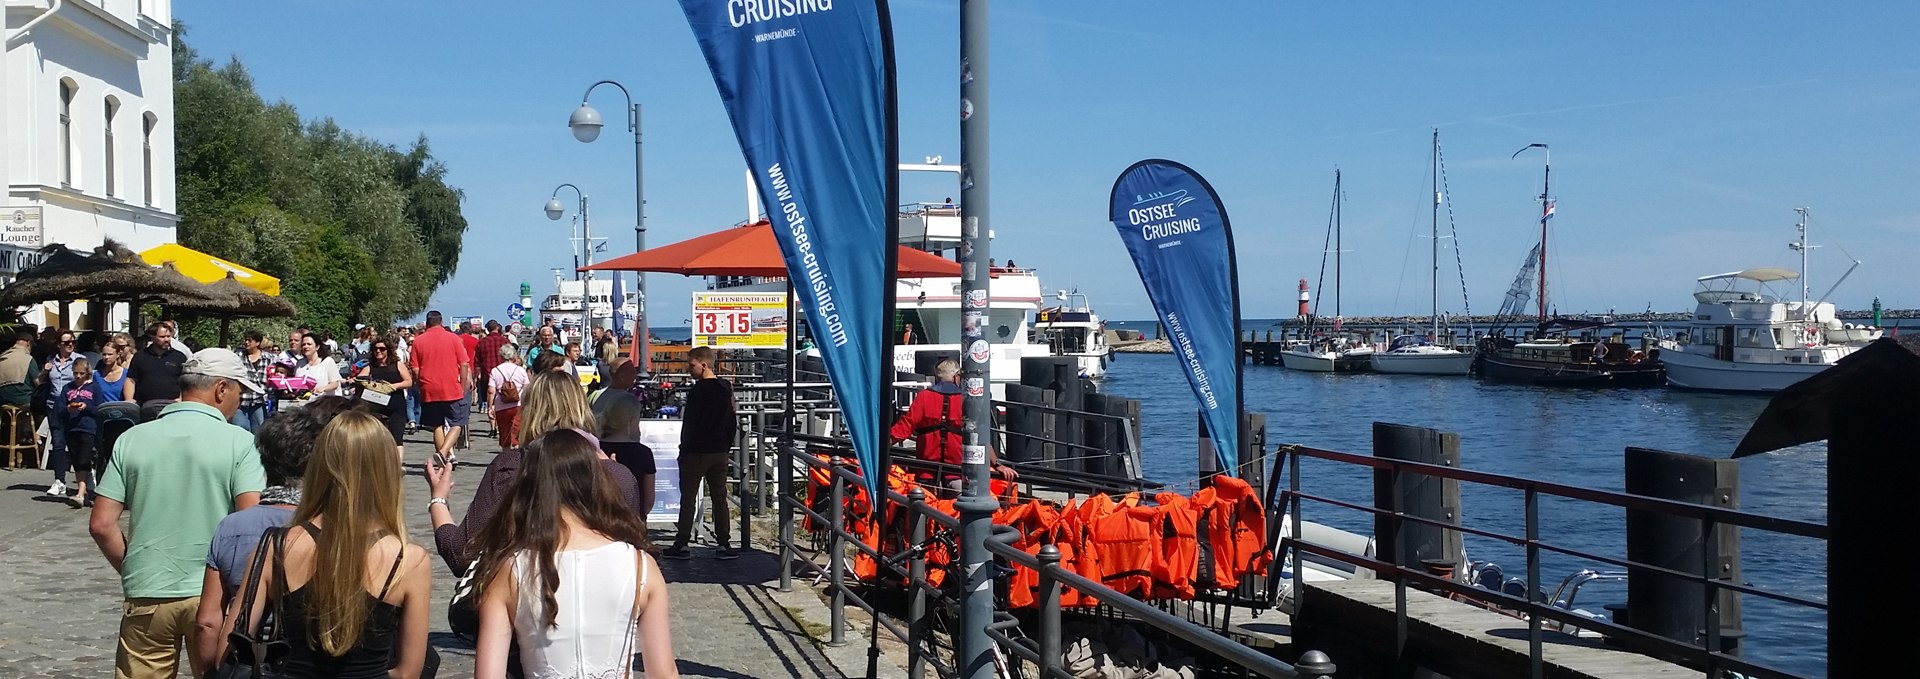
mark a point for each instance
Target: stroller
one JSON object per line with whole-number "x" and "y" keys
{"x": 114, "y": 418}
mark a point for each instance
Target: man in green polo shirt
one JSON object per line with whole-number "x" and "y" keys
{"x": 177, "y": 476}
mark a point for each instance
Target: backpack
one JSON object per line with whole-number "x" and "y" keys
{"x": 509, "y": 391}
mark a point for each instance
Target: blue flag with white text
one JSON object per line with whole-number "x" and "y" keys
{"x": 808, "y": 85}
{"x": 1177, "y": 231}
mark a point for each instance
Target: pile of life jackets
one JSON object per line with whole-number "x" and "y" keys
{"x": 1172, "y": 548}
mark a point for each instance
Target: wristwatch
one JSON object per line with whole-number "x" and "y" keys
{"x": 437, "y": 501}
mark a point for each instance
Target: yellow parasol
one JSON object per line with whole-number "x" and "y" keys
{"x": 207, "y": 268}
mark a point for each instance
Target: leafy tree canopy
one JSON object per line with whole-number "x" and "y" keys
{"x": 357, "y": 230}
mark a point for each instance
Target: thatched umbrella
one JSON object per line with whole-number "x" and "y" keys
{"x": 68, "y": 275}
{"x": 230, "y": 299}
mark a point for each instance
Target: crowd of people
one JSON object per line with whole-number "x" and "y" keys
{"x": 241, "y": 504}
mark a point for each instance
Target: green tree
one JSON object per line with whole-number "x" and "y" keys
{"x": 358, "y": 230}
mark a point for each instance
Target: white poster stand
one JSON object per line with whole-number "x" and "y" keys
{"x": 663, "y": 436}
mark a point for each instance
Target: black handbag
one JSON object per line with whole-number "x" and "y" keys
{"x": 463, "y": 611}
{"x": 258, "y": 652}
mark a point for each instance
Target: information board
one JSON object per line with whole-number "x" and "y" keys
{"x": 740, "y": 320}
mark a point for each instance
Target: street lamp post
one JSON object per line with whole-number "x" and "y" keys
{"x": 556, "y": 210}
{"x": 586, "y": 123}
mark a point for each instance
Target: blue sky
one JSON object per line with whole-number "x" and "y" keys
{"x": 1683, "y": 133}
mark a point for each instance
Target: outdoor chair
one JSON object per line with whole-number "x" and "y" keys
{"x": 19, "y": 422}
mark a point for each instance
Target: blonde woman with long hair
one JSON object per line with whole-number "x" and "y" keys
{"x": 357, "y": 594}
{"x": 554, "y": 400}
{"x": 551, "y": 401}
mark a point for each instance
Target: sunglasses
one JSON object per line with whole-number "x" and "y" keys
{"x": 67, "y": 343}
{"x": 379, "y": 348}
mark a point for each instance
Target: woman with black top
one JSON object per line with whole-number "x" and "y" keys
{"x": 357, "y": 595}
{"x": 384, "y": 365}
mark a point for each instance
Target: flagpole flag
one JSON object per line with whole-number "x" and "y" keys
{"x": 1177, "y": 231}
{"x": 809, "y": 87}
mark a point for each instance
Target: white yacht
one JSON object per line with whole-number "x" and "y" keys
{"x": 1745, "y": 336}
{"x": 1413, "y": 355}
{"x": 1337, "y": 354}
{"x": 1071, "y": 329}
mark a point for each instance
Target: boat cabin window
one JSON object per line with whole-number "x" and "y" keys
{"x": 1750, "y": 337}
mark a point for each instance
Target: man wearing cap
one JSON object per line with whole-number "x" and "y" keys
{"x": 176, "y": 476}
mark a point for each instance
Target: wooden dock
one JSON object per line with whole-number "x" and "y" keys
{"x": 1449, "y": 637}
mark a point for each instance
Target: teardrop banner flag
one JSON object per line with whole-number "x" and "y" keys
{"x": 1178, "y": 233}
{"x": 809, "y": 86}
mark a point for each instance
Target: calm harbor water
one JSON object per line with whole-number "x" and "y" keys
{"x": 1566, "y": 436}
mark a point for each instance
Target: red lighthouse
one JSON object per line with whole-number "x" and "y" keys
{"x": 1303, "y": 298}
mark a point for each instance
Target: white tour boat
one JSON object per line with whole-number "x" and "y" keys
{"x": 1745, "y": 337}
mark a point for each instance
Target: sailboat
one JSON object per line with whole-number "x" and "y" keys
{"x": 1331, "y": 353}
{"x": 1420, "y": 356}
{"x": 1552, "y": 355}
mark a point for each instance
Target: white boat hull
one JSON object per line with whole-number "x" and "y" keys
{"x": 1693, "y": 371}
{"x": 1327, "y": 361}
{"x": 1435, "y": 361}
{"x": 1092, "y": 366}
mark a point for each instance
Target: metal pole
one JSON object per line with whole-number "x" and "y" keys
{"x": 974, "y": 658}
{"x": 837, "y": 557}
{"x": 586, "y": 259}
{"x": 788, "y": 421}
{"x": 917, "y": 574}
{"x": 640, "y": 341}
{"x": 1050, "y": 657}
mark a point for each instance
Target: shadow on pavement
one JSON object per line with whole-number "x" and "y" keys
{"x": 752, "y": 568}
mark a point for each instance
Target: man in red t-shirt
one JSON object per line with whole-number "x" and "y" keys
{"x": 444, "y": 368}
{"x": 485, "y": 359}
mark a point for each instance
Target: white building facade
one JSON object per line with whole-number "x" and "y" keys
{"x": 87, "y": 154}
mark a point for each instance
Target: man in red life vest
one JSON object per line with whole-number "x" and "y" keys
{"x": 935, "y": 422}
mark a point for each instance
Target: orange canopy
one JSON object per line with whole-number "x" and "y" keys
{"x": 750, "y": 250}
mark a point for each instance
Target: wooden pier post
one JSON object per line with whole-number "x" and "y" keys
{"x": 1061, "y": 375}
{"x": 1417, "y": 495}
{"x": 1023, "y": 424}
{"x": 1662, "y": 604}
{"x": 1099, "y": 435}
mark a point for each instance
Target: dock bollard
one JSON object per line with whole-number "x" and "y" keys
{"x": 1315, "y": 664}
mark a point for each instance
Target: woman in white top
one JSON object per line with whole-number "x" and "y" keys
{"x": 318, "y": 365}
{"x": 563, "y": 574}
{"x": 506, "y": 412}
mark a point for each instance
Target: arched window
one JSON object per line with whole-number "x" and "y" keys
{"x": 68, "y": 90}
{"x": 148, "y": 123}
{"x": 113, "y": 107}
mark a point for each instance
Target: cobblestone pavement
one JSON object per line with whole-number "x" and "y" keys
{"x": 60, "y": 603}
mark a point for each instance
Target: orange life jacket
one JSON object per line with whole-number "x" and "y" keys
{"x": 1236, "y": 530}
{"x": 1125, "y": 547}
{"x": 1176, "y": 523}
{"x": 1040, "y": 524}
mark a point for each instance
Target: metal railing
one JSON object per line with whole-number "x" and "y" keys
{"x": 1043, "y": 650}
{"x": 1710, "y": 656}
